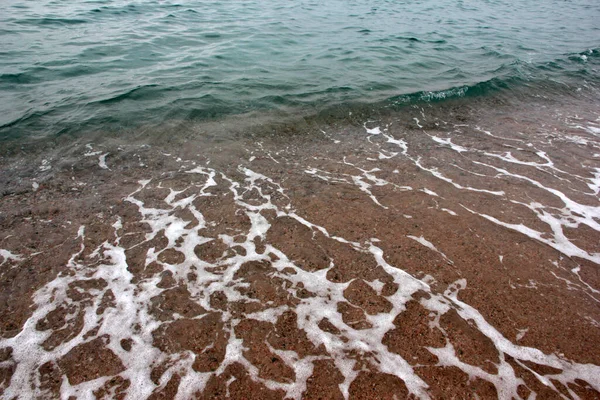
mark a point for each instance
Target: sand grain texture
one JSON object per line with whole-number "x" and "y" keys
{"x": 369, "y": 261}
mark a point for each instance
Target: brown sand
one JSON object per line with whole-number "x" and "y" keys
{"x": 217, "y": 310}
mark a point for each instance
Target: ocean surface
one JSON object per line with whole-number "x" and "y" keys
{"x": 73, "y": 67}
{"x": 300, "y": 199}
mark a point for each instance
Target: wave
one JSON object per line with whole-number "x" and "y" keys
{"x": 155, "y": 103}
{"x": 554, "y": 76}
{"x": 137, "y": 93}
{"x": 50, "y": 21}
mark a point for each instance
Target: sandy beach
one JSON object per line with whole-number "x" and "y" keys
{"x": 441, "y": 251}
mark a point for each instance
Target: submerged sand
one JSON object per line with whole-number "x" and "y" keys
{"x": 448, "y": 253}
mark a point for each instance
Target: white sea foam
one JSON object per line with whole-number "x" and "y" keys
{"x": 429, "y": 192}
{"x": 448, "y": 142}
{"x": 102, "y": 161}
{"x": 373, "y": 131}
{"x": 429, "y": 245}
{"x": 258, "y": 197}
{"x": 132, "y": 302}
{"x": 45, "y": 166}
{"x": 6, "y": 256}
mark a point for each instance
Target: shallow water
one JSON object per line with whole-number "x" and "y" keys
{"x": 300, "y": 200}
{"x": 78, "y": 67}
{"x": 441, "y": 250}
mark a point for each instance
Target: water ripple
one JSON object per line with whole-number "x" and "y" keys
{"x": 68, "y": 56}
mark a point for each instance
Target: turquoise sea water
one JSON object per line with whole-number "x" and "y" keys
{"x": 108, "y": 64}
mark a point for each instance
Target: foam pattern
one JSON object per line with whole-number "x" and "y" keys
{"x": 206, "y": 243}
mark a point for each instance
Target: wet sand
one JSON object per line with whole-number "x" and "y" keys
{"x": 448, "y": 252}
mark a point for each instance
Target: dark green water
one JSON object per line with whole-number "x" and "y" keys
{"x": 106, "y": 65}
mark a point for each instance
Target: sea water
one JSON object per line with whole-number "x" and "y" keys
{"x": 285, "y": 199}
{"x": 110, "y": 64}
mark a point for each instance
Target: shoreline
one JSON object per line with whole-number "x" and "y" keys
{"x": 571, "y": 77}
{"x": 426, "y": 252}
